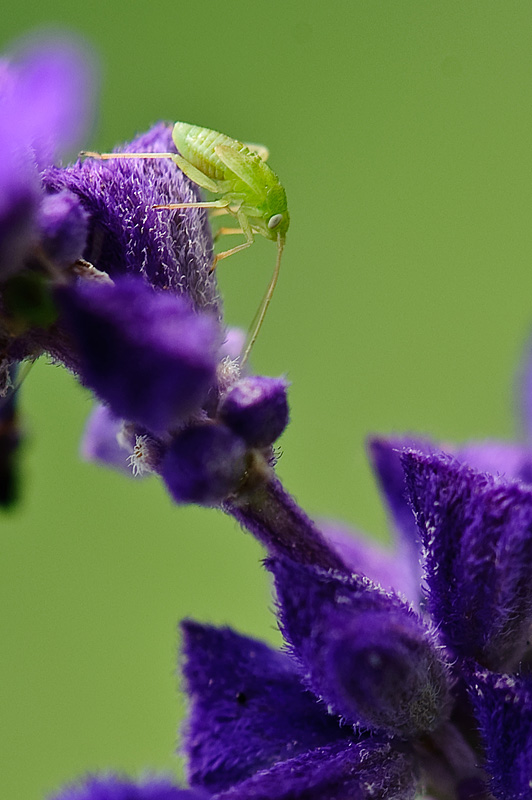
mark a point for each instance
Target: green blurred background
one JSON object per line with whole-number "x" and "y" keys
{"x": 402, "y": 132}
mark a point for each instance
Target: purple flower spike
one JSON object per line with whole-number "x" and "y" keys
{"x": 145, "y": 353}
{"x": 204, "y": 464}
{"x": 63, "y": 228}
{"x": 248, "y": 709}
{"x": 114, "y": 788}
{"x": 364, "y": 652}
{"x": 503, "y": 706}
{"x": 257, "y": 409}
{"x": 477, "y": 530}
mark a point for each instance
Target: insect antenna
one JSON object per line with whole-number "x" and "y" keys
{"x": 256, "y": 325}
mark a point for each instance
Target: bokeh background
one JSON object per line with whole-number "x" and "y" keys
{"x": 402, "y": 132}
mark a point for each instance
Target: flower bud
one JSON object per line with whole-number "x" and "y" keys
{"x": 256, "y": 409}
{"x": 204, "y": 464}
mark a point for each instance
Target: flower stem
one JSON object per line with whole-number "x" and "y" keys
{"x": 273, "y": 517}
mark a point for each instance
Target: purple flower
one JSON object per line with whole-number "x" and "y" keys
{"x": 114, "y": 788}
{"x": 204, "y": 464}
{"x": 373, "y": 697}
{"x": 45, "y": 105}
{"x": 122, "y": 293}
{"x": 257, "y": 409}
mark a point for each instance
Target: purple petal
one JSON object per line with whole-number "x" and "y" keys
{"x": 503, "y": 706}
{"x": 477, "y": 530}
{"x": 53, "y": 94}
{"x": 364, "y": 652}
{"x": 256, "y": 408}
{"x": 63, "y": 227}
{"x": 508, "y": 459}
{"x": 390, "y": 569}
{"x": 144, "y": 353}
{"x": 115, "y": 788}
{"x": 248, "y": 708}
{"x": 204, "y": 464}
{"x": 384, "y": 455}
{"x": 172, "y": 249}
{"x": 233, "y": 344}
{"x": 20, "y": 191}
{"x": 99, "y": 442}
{"x": 352, "y": 771}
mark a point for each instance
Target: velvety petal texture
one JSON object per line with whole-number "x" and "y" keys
{"x": 366, "y": 654}
{"x": 248, "y": 708}
{"x": 352, "y": 771}
{"x": 116, "y": 788}
{"x": 503, "y": 706}
{"x": 477, "y": 531}
{"x": 147, "y": 354}
{"x": 384, "y": 455}
{"x": 127, "y": 235}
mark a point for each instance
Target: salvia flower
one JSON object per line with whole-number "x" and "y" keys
{"x": 378, "y": 697}
{"x": 123, "y": 294}
{"x": 45, "y": 107}
{"x": 402, "y": 676}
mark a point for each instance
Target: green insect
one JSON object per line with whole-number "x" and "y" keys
{"x": 248, "y": 190}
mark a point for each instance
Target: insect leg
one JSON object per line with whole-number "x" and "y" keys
{"x": 108, "y": 156}
{"x": 200, "y": 204}
{"x": 248, "y": 233}
{"x": 185, "y": 166}
{"x": 226, "y": 232}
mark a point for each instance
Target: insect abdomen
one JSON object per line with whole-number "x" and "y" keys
{"x": 197, "y": 146}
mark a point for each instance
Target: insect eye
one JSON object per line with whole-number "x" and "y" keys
{"x": 274, "y": 221}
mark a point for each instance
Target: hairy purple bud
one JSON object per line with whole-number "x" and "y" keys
{"x": 387, "y": 674}
{"x": 145, "y": 353}
{"x": 257, "y": 409}
{"x": 204, "y": 464}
